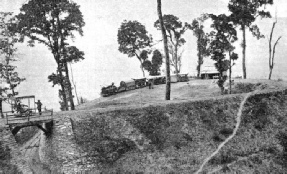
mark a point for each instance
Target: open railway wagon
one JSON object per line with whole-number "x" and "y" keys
{"x": 24, "y": 108}
{"x": 182, "y": 78}
{"x": 127, "y": 85}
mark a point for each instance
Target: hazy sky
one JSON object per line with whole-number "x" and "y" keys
{"x": 103, "y": 62}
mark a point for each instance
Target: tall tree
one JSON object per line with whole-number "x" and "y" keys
{"x": 133, "y": 39}
{"x": 175, "y": 30}
{"x": 8, "y": 73}
{"x": 52, "y": 23}
{"x": 222, "y": 37}
{"x": 153, "y": 66}
{"x": 244, "y": 14}
{"x": 175, "y": 60}
{"x": 272, "y": 50}
{"x": 165, "y": 45}
{"x": 232, "y": 57}
{"x": 202, "y": 41}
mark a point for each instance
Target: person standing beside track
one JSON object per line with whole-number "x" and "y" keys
{"x": 39, "y": 106}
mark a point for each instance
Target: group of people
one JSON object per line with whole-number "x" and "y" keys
{"x": 20, "y": 108}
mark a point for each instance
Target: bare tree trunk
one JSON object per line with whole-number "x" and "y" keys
{"x": 142, "y": 70}
{"x": 57, "y": 58}
{"x": 2, "y": 116}
{"x": 71, "y": 98}
{"x": 167, "y": 92}
{"x": 199, "y": 57}
{"x": 272, "y": 52}
{"x": 199, "y": 65}
{"x": 244, "y": 52}
{"x": 63, "y": 89}
{"x": 230, "y": 72}
{"x": 74, "y": 84}
{"x": 141, "y": 64}
{"x": 175, "y": 58}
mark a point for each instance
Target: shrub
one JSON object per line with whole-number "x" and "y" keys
{"x": 224, "y": 157}
{"x": 282, "y": 137}
{"x": 5, "y": 164}
{"x": 226, "y": 131}
{"x": 243, "y": 87}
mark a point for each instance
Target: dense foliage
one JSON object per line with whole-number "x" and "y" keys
{"x": 222, "y": 37}
{"x": 153, "y": 66}
{"x": 5, "y": 160}
{"x": 8, "y": 74}
{"x": 133, "y": 39}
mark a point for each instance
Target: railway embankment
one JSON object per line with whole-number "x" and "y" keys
{"x": 138, "y": 135}
{"x": 174, "y": 137}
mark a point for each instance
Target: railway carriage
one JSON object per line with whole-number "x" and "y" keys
{"x": 127, "y": 85}
{"x": 140, "y": 83}
{"x": 157, "y": 80}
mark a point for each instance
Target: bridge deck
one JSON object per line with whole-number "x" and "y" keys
{"x": 45, "y": 116}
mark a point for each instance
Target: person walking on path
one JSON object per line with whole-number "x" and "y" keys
{"x": 39, "y": 106}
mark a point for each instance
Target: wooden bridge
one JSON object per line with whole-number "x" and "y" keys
{"x": 18, "y": 121}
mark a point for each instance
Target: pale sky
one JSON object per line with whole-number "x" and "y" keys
{"x": 103, "y": 62}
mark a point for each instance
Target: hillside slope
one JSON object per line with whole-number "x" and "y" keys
{"x": 177, "y": 136}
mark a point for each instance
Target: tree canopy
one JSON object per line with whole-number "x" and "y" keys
{"x": 175, "y": 30}
{"x": 202, "y": 40}
{"x": 153, "y": 66}
{"x": 8, "y": 73}
{"x": 133, "y": 39}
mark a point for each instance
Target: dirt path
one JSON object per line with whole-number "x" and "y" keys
{"x": 30, "y": 150}
{"x": 238, "y": 121}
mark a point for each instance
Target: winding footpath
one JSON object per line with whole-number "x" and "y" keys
{"x": 238, "y": 121}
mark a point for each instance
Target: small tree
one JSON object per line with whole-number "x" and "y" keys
{"x": 243, "y": 14}
{"x": 175, "y": 30}
{"x": 133, "y": 39}
{"x": 153, "y": 66}
{"x": 8, "y": 73}
{"x": 165, "y": 45}
{"x": 222, "y": 37}
{"x": 202, "y": 41}
{"x": 272, "y": 51}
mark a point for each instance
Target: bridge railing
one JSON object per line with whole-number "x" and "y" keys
{"x": 28, "y": 116}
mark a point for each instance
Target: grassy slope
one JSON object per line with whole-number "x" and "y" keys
{"x": 184, "y": 135}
